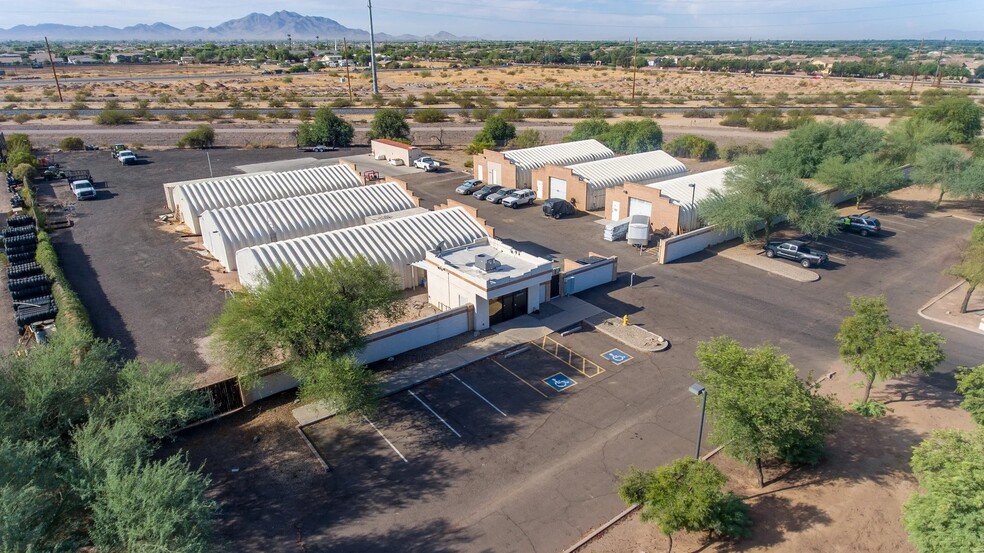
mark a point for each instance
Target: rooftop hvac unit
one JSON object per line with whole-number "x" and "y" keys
{"x": 486, "y": 263}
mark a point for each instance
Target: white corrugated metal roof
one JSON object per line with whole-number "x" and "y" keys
{"x": 678, "y": 190}
{"x": 226, "y": 230}
{"x": 643, "y": 168}
{"x": 194, "y": 199}
{"x": 559, "y": 154}
{"x": 398, "y": 243}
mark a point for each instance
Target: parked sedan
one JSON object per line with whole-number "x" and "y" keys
{"x": 486, "y": 191}
{"x": 860, "y": 224}
{"x": 499, "y": 195}
{"x": 518, "y": 198}
{"x": 469, "y": 186}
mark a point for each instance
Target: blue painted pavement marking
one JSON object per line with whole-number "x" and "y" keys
{"x": 559, "y": 382}
{"x": 616, "y": 356}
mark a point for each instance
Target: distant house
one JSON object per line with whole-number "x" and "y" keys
{"x": 10, "y": 59}
{"x": 186, "y": 59}
{"x": 127, "y": 57}
{"x": 81, "y": 60}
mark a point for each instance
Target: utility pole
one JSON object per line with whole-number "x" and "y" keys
{"x": 939, "y": 74}
{"x": 915, "y": 70}
{"x": 345, "y": 61}
{"x": 53, "y": 72}
{"x": 372, "y": 52}
{"x": 635, "y": 65}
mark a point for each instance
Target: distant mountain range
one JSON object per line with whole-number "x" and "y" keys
{"x": 253, "y": 27}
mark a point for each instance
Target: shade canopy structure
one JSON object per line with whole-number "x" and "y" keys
{"x": 191, "y": 200}
{"x": 398, "y": 243}
{"x": 229, "y": 229}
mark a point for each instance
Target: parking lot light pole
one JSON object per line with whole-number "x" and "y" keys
{"x": 693, "y": 195}
{"x": 699, "y": 390}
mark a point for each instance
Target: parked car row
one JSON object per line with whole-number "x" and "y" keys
{"x": 509, "y": 197}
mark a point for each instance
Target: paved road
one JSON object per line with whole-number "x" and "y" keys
{"x": 539, "y": 476}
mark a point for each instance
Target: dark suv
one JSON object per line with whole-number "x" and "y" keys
{"x": 860, "y": 224}
{"x": 557, "y": 208}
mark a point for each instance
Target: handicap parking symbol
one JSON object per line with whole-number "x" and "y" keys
{"x": 616, "y": 356}
{"x": 559, "y": 382}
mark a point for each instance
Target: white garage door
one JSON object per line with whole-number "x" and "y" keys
{"x": 495, "y": 173}
{"x": 558, "y": 188}
{"x": 640, "y": 207}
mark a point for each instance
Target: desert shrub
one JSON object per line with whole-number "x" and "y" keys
{"x": 538, "y": 113}
{"x": 693, "y": 147}
{"x": 735, "y": 119}
{"x": 429, "y": 115}
{"x": 114, "y": 117}
{"x": 341, "y": 103}
{"x": 247, "y": 114}
{"x": 202, "y": 136}
{"x": 698, "y": 113}
{"x": 71, "y": 143}
{"x": 735, "y": 151}
{"x": 280, "y": 114}
{"x": 21, "y": 118}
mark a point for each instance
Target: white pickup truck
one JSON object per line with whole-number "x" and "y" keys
{"x": 126, "y": 157}
{"x": 426, "y": 163}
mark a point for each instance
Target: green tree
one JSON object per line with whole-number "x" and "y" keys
{"x": 941, "y": 166}
{"x": 945, "y": 514}
{"x": 153, "y": 506}
{"x": 632, "y": 137}
{"x": 72, "y": 417}
{"x": 202, "y": 136}
{"x": 904, "y": 139}
{"x": 527, "y": 138}
{"x": 802, "y": 152}
{"x": 309, "y": 322}
{"x": 588, "y": 128}
{"x": 970, "y": 384}
{"x": 429, "y": 115}
{"x": 759, "y": 408}
{"x": 971, "y": 266}
{"x": 389, "y": 123}
{"x": 757, "y": 193}
{"x": 686, "y": 495}
{"x": 496, "y": 130}
{"x": 874, "y": 347}
{"x": 325, "y": 129}
{"x": 114, "y": 117}
{"x": 863, "y": 177}
{"x": 961, "y": 116}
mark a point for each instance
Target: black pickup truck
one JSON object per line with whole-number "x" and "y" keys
{"x": 797, "y": 251}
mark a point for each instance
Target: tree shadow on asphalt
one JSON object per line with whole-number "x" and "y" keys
{"x": 436, "y": 537}
{"x": 936, "y": 389}
{"x": 107, "y": 322}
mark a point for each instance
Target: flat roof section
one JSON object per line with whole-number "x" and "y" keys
{"x": 510, "y": 263}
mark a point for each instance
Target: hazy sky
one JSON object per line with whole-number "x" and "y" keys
{"x": 549, "y": 19}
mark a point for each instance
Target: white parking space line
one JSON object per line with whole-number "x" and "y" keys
{"x": 385, "y": 439}
{"x": 899, "y": 221}
{"x": 433, "y": 412}
{"x": 474, "y": 391}
{"x": 837, "y": 258}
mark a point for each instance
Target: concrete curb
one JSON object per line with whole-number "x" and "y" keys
{"x": 611, "y": 326}
{"x": 771, "y": 266}
{"x": 938, "y": 297}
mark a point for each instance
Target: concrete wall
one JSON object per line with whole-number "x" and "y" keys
{"x": 407, "y": 153}
{"x": 381, "y": 345}
{"x": 588, "y": 276}
{"x": 682, "y": 245}
{"x": 403, "y": 338}
{"x": 664, "y": 216}
{"x": 577, "y": 189}
{"x": 480, "y": 169}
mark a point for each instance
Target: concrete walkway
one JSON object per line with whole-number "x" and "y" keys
{"x": 945, "y": 309}
{"x": 567, "y": 311}
{"x": 755, "y": 257}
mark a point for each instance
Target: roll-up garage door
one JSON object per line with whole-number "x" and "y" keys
{"x": 640, "y": 207}
{"x": 558, "y": 188}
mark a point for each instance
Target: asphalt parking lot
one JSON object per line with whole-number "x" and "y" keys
{"x": 511, "y": 454}
{"x": 141, "y": 286}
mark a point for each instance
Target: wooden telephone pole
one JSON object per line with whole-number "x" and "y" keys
{"x": 345, "y": 60}
{"x": 635, "y": 65}
{"x": 939, "y": 59}
{"x": 51, "y": 60}
{"x": 916, "y": 69}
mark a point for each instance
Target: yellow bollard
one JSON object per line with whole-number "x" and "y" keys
{"x": 625, "y": 320}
